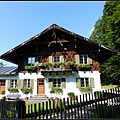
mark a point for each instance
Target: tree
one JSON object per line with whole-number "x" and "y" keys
{"x": 107, "y": 32}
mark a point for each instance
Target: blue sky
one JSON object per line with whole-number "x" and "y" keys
{"x": 19, "y": 21}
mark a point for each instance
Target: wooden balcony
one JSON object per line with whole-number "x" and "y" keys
{"x": 56, "y": 71}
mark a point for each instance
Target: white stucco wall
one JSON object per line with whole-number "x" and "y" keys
{"x": 70, "y": 81}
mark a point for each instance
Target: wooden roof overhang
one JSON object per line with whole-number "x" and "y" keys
{"x": 43, "y": 43}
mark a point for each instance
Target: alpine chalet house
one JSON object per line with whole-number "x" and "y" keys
{"x": 55, "y": 61}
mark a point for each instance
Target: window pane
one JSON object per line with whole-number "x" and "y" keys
{"x": 87, "y": 82}
{"x": 31, "y": 60}
{"x": 56, "y": 59}
{"x": 85, "y": 59}
{"x": 82, "y": 82}
{"x": 81, "y": 59}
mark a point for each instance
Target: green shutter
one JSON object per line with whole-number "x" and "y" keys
{"x": 63, "y": 83}
{"x": 90, "y": 56}
{"x": 62, "y": 58}
{"x": 50, "y": 59}
{"x": 78, "y": 83}
{"x": 50, "y": 83}
{"x": 77, "y": 59}
{"x": 32, "y": 83}
{"x": 92, "y": 82}
{"x": 8, "y": 84}
{"x": 20, "y": 83}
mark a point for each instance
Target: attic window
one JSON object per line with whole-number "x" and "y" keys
{"x": 83, "y": 59}
{"x": 31, "y": 61}
{"x": 56, "y": 58}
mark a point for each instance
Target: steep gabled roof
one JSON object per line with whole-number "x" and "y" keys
{"x": 12, "y": 55}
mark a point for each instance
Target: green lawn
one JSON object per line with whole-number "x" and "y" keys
{"x": 37, "y": 105}
{"x": 108, "y": 86}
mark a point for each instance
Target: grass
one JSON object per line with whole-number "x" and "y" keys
{"x": 108, "y": 86}
{"x": 41, "y": 107}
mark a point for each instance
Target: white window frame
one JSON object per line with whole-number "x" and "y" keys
{"x": 57, "y": 83}
{"x": 26, "y": 83}
{"x": 31, "y": 61}
{"x": 13, "y": 83}
{"x": 85, "y": 82}
{"x": 54, "y": 59}
{"x": 83, "y": 59}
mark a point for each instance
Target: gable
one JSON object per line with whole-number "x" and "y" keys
{"x": 53, "y": 39}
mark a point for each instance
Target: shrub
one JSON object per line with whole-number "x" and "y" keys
{"x": 13, "y": 89}
{"x": 69, "y": 63}
{"x": 70, "y": 94}
{"x": 3, "y": 92}
{"x": 56, "y": 90}
{"x": 30, "y": 68}
{"x": 85, "y": 89}
{"x": 26, "y": 90}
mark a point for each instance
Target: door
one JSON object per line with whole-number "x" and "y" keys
{"x": 40, "y": 86}
{"x": 2, "y": 85}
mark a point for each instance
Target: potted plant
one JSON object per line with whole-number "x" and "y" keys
{"x": 26, "y": 90}
{"x": 85, "y": 89}
{"x": 3, "y": 92}
{"x": 86, "y": 66}
{"x": 79, "y": 66}
{"x": 52, "y": 90}
{"x": 14, "y": 90}
{"x": 71, "y": 95}
{"x": 62, "y": 65}
{"x": 48, "y": 65}
{"x": 39, "y": 65}
{"x": 57, "y": 64}
{"x": 58, "y": 90}
{"x": 30, "y": 68}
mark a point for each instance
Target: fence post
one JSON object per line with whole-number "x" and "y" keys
{"x": 2, "y": 108}
{"x": 20, "y": 109}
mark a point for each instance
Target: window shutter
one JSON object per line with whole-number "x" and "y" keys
{"x": 63, "y": 83}
{"x": 62, "y": 58}
{"x": 77, "y": 59}
{"x": 32, "y": 83}
{"x": 50, "y": 83}
{"x": 50, "y": 59}
{"x": 78, "y": 83}
{"x": 89, "y": 59}
{"x": 8, "y": 84}
{"x": 20, "y": 83}
{"x": 92, "y": 82}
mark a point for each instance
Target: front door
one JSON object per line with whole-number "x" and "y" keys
{"x": 40, "y": 86}
{"x": 2, "y": 85}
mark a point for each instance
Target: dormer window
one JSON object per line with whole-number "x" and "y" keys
{"x": 31, "y": 61}
{"x": 83, "y": 59}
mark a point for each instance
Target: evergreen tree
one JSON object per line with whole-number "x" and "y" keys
{"x": 107, "y": 32}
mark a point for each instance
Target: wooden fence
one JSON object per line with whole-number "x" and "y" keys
{"x": 105, "y": 104}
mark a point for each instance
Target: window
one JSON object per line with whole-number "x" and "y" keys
{"x": 84, "y": 82}
{"x": 26, "y": 83}
{"x": 56, "y": 58}
{"x": 83, "y": 59}
{"x": 31, "y": 61}
{"x": 56, "y": 82}
{"x": 13, "y": 83}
